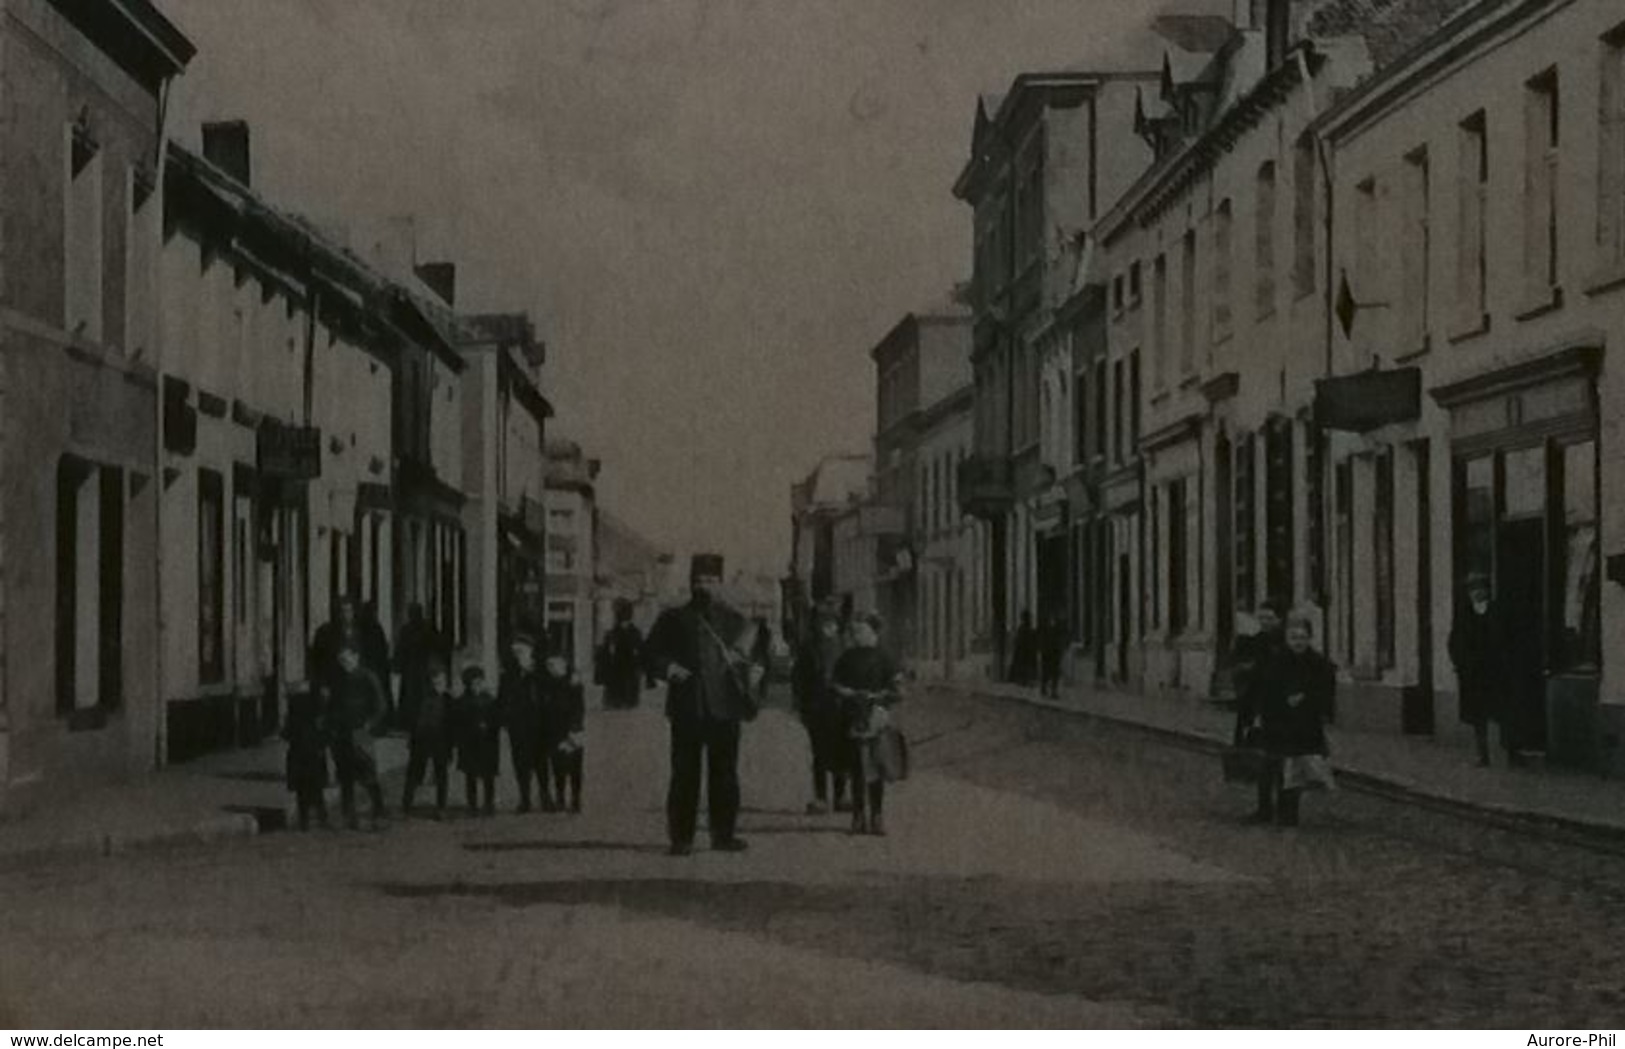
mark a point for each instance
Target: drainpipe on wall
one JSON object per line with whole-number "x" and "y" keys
{"x": 160, "y": 701}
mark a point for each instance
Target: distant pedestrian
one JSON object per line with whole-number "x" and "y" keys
{"x": 355, "y": 715}
{"x": 1251, "y": 654}
{"x": 1024, "y": 652}
{"x": 1479, "y": 651}
{"x": 820, "y": 711}
{"x": 520, "y": 696}
{"x": 430, "y": 737}
{"x": 869, "y": 685}
{"x": 710, "y": 682}
{"x": 307, "y": 757}
{"x": 761, "y": 654}
{"x": 418, "y": 647}
{"x": 1296, "y": 693}
{"x": 1052, "y": 645}
{"x": 560, "y": 753}
{"x": 621, "y": 660}
{"x": 478, "y": 724}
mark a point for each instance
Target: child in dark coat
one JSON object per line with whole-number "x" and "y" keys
{"x": 307, "y": 757}
{"x": 431, "y": 739}
{"x": 479, "y": 740}
{"x": 563, "y": 717}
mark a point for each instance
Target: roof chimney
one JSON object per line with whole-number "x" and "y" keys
{"x": 441, "y": 277}
{"x": 225, "y": 145}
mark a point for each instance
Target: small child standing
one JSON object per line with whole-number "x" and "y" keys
{"x": 307, "y": 757}
{"x": 430, "y": 741}
{"x": 479, "y": 740}
{"x": 563, "y": 716}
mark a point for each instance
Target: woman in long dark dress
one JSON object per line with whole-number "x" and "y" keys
{"x": 1297, "y": 688}
{"x": 622, "y": 656}
{"x": 1478, "y": 651}
{"x": 1024, "y": 652}
{"x": 820, "y": 712}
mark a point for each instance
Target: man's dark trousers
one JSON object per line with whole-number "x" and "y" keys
{"x": 717, "y": 742}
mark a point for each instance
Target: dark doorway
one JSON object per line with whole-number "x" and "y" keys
{"x": 1125, "y": 609}
{"x": 1520, "y": 584}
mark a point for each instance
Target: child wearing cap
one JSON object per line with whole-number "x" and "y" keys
{"x": 478, "y": 731}
{"x": 563, "y": 717}
{"x": 430, "y": 743}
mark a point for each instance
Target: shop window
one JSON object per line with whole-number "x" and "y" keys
{"x": 1477, "y": 539}
{"x": 1178, "y": 606}
{"x": 211, "y": 556}
{"x": 1580, "y": 627}
{"x": 1345, "y": 560}
{"x": 1382, "y": 539}
{"x": 1278, "y": 523}
{"x": 1246, "y": 553}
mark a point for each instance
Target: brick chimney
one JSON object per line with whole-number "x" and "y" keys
{"x": 441, "y": 277}
{"x": 225, "y": 145}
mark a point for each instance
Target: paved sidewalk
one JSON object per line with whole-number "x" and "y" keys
{"x": 1417, "y": 768}
{"x": 218, "y": 797}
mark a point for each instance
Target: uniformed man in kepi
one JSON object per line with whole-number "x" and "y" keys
{"x": 699, "y": 651}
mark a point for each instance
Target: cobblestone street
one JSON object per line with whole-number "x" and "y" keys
{"x": 1041, "y": 870}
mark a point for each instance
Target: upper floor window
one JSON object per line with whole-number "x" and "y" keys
{"x": 1187, "y": 304}
{"x": 83, "y": 235}
{"x": 1159, "y": 320}
{"x": 1117, "y": 292}
{"x": 1303, "y": 215}
{"x": 1541, "y": 137}
{"x": 1264, "y": 248}
{"x": 1416, "y": 249}
{"x": 1473, "y": 179}
{"x": 1367, "y": 264}
{"x": 1120, "y": 414}
{"x": 1134, "y": 283}
{"x": 1611, "y": 151}
{"x": 1222, "y": 238}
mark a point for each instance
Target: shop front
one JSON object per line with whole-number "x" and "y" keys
{"x": 1525, "y": 477}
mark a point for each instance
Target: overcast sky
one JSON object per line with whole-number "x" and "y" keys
{"x": 713, "y": 208}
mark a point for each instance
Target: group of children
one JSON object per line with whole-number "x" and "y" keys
{"x": 542, "y": 707}
{"x": 845, "y": 687}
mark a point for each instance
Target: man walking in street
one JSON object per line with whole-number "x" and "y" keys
{"x": 698, "y": 650}
{"x": 1478, "y": 649}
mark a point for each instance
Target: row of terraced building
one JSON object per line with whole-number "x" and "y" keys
{"x": 1320, "y": 309}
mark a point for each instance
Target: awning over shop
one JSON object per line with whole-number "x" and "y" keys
{"x": 1369, "y": 400}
